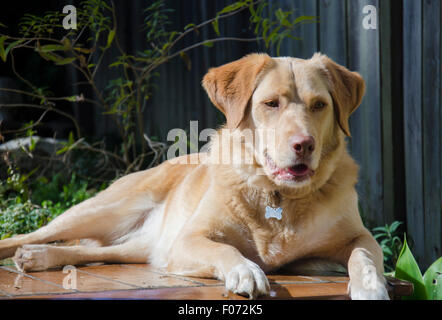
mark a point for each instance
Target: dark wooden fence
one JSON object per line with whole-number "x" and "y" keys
{"x": 396, "y": 133}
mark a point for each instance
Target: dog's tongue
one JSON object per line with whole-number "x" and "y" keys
{"x": 298, "y": 170}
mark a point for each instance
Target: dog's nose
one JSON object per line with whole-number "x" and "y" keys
{"x": 303, "y": 145}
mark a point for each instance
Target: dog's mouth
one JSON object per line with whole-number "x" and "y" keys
{"x": 297, "y": 173}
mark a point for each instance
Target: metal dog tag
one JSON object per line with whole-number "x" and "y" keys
{"x": 273, "y": 213}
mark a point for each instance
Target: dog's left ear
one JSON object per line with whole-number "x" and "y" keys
{"x": 231, "y": 86}
{"x": 347, "y": 89}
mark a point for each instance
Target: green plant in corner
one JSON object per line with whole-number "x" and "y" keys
{"x": 426, "y": 287}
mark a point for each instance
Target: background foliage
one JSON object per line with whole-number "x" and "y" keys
{"x": 31, "y": 199}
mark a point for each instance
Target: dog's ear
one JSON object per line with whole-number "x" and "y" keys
{"x": 347, "y": 89}
{"x": 231, "y": 86}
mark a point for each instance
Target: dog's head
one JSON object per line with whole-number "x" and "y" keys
{"x": 298, "y": 108}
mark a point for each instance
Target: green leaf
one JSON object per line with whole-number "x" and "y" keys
{"x": 65, "y": 61}
{"x": 67, "y": 145}
{"x": 51, "y": 47}
{"x": 66, "y": 44}
{"x": 71, "y": 98}
{"x": 71, "y": 138}
{"x": 433, "y": 280}
{"x": 232, "y": 7}
{"x": 279, "y": 14}
{"x": 173, "y": 34}
{"x": 387, "y": 251}
{"x": 110, "y": 38}
{"x": 376, "y": 236}
{"x": 83, "y": 50}
{"x": 2, "y": 48}
{"x": 62, "y": 150}
{"x": 407, "y": 269}
{"x": 32, "y": 145}
{"x": 208, "y": 44}
{"x": 215, "y": 26}
{"x": 10, "y": 46}
{"x": 273, "y": 35}
{"x": 383, "y": 229}
{"x": 304, "y": 18}
{"x": 282, "y": 17}
{"x": 115, "y": 64}
{"x": 190, "y": 25}
{"x": 394, "y": 226}
{"x": 165, "y": 46}
{"x": 48, "y": 56}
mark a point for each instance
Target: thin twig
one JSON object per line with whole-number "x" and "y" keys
{"x": 49, "y": 108}
{"x": 212, "y": 41}
{"x": 210, "y": 21}
{"x": 198, "y": 45}
{"x": 30, "y": 126}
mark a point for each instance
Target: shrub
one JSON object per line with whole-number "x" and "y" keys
{"x": 24, "y": 212}
{"x": 390, "y": 242}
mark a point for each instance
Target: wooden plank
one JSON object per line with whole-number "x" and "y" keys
{"x": 15, "y": 283}
{"x": 412, "y": 48}
{"x": 431, "y": 108}
{"x": 332, "y": 30}
{"x": 365, "y": 123}
{"x": 387, "y": 111}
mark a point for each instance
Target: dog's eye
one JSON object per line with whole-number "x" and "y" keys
{"x": 272, "y": 104}
{"x": 318, "y": 105}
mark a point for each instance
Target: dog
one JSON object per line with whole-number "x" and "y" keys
{"x": 292, "y": 202}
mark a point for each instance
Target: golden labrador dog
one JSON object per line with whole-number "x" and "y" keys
{"x": 283, "y": 201}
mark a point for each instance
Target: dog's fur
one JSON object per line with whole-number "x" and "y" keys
{"x": 208, "y": 219}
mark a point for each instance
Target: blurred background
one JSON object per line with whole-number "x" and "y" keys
{"x": 396, "y": 132}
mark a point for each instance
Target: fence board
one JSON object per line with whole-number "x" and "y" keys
{"x": 365, "y": 123}
{"x": 387, "y": 111}
{"x": 308, "y": 45}
{"x": 431, "y": 108}
{"x": 413, "y": 124}
{"x": 332, "y": 30}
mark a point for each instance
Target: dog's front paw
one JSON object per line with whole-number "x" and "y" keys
{"x": 31, "y": 257}
{"x": 368, "y": 287}
{"x": 247, "y": 279}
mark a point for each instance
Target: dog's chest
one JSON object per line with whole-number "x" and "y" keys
{"x": 299, "y": 232}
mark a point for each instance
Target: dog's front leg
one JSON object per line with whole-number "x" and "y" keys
{"x": 197, "y": 255}
{"x": 365, "y": 268}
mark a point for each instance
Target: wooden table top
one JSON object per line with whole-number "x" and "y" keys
{"x": 141, "y": 281}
